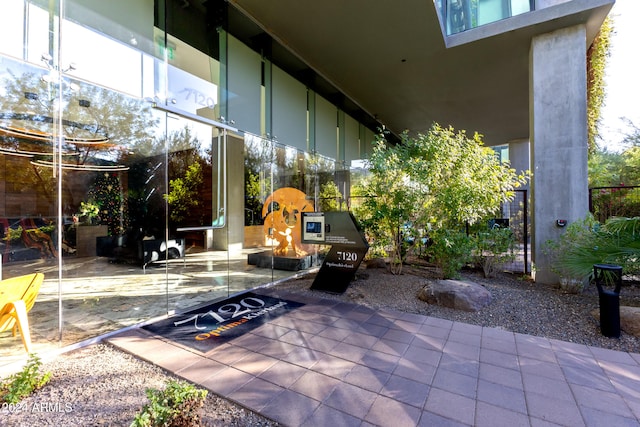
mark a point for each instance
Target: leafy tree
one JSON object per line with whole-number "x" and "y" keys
{"x": 30, "y": 98}
{"x": 466, "y": 180}
{"x": 632, "y": 138}
{"x": 493, "y": 248}
{"x": 450, "y": 250}
{"x": 258, "y": 161}
{"x": 108, "y": 195}
{"x": 630, "y": 170}
{"x": 391, "y": 202}
{"x": 184, "y": 192}
{"x": 434, "y": 181}
{"x": 606, "y": 169}
{"x": 622, "y": 170}
{"x": 610, "y": 169}
{"x": 252, "y": 203}
{"x": 331, "y": 199}
{"x": 186, "y": 161}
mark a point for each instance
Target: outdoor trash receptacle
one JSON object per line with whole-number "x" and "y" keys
{"x": 607, "y": 275}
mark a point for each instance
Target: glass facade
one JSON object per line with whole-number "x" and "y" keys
{"x": 144, "y": 153}
{"x": 462, "y": 15}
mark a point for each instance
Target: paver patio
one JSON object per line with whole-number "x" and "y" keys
{"x": 333, "y": 363}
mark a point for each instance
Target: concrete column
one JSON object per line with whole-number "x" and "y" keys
{"x": 558, "y": 135}
{"x": 231, "y": 237}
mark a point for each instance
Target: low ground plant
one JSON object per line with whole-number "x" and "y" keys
{"x": 22, "y": 384}
{"x": 178, "y": 405}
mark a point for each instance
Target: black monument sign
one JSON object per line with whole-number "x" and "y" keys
{"x": 348, "y": 248}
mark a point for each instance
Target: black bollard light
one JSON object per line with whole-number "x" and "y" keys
{"x": 609, "y": 275}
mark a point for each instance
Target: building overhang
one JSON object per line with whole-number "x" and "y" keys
{"x": 392, "y": 60}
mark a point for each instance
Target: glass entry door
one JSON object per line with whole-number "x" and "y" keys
{"x": 189, "y": 243}
{"x": 208, "y": 240}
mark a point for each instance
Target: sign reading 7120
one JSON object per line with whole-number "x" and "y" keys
{"x": 225, "y": 312}
{"x": 347, "y": 256}
{"x": 223, "y": 320}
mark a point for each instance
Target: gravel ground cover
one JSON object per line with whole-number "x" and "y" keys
{"x": 101, "y": 386}
{"x": 518, "y": 304}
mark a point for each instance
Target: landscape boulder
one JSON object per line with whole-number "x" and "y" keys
{"x": 629, "y": 319}
{"x": 376, "y": 263}
{"x": 457, "y": 294}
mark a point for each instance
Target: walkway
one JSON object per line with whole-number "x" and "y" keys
{"x": 335, "y": 364}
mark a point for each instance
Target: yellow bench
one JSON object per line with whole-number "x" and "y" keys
{"x": 17, "y": 296}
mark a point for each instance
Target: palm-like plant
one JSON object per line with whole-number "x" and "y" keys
{"x": 616, "y": 242}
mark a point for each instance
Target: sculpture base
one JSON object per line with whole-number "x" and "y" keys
{"x": 266, "y": 259}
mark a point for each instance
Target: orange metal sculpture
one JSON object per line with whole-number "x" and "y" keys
{"x": 282, "y": 213}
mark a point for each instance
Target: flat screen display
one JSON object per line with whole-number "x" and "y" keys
{"x": 314, "y": 227}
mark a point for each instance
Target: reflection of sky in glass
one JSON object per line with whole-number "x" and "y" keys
{"x": 107, "y": 62}
{"x": 11, "y": 28}
{"x": 38, "y": 34}
{"x": 200, "y": 131}
{"x": 519, "y": 6}
{"x": 101, "y": 60}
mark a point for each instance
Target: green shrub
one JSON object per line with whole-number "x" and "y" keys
{"x": 619, "y": 243}
{"x": 11, "y": 234}
{"x": 586, "y": 242}
{"x": 178, "y": 405}
{"x": 25, "y": 382}
{"x": 493, "y": 248}
{"x": 450, "y": 250}
{"x": 565, "y": 253}
{"x": 431, "y": 181}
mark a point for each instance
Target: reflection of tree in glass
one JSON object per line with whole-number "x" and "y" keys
{"x": 320, "y": 171}
{"x": 258, "y": 162}
{"x": 108, "y": 195}
{"x": 269, "y": 166}
{"x": 292, "y": 168}
{"x": 88, "y": 111}
{"x": 147, "y": 186}
{"x": 330, "y": 198}
{"x": 183, "y": 193}
{"x": 30, "y": 103}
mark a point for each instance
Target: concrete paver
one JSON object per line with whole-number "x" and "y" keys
{"x": 330, "y": 363}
